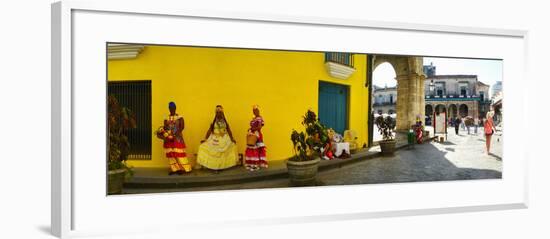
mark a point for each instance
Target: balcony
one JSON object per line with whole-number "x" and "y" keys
{"x": 339, "y": 65}
{"x": 383, "y": 103}
{"x": 454, "y": 97}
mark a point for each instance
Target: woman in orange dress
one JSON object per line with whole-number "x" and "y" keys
{"x": 489, "y": 129}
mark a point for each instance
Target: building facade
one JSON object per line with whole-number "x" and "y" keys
{"x": 285, "y": 84}
{"x": 496, "y": 88}
{"x": 384, "y": 100}
{"x": 457, "y": 95}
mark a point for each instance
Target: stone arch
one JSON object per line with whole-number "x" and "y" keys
{"x": 410, "y": 87}
{"x": 463, "y": 110}
{"x": 453, "y": 110}
{"x": 440, "y": 108}
{"x": 429, "y": 110}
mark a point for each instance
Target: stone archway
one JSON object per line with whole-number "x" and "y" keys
{"x": 452, "y": 111}
{"x": 463, "y": 110}
{"x": 440, "y": 109}
{"x": 429, "y": 110}
{"x": 410, "y": 78}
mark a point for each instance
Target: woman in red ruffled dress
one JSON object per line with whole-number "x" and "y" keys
{"x": 174, "y": 146}
{"x": 255, "y": 154}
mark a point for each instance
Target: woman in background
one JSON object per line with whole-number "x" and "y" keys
{"x": 218, "y": 150}
{"x": 489, "y": 129}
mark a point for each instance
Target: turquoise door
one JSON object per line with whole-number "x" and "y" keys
{"x": 333, "y": 106}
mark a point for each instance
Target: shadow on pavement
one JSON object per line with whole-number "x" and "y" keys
{"x": 426, "y": 163}
{"x": 447, "y": 143}
{"x": 496, "y": 156}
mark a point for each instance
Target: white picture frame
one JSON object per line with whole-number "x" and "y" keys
{"x": 78, "y": 212}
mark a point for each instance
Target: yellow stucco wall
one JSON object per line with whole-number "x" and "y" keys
{"x": 283, "y": 83}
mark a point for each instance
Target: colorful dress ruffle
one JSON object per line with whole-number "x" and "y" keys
{"x": 218, "y": 151}
{"x": 255, "y": 155}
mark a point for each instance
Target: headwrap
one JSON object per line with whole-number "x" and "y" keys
{"x": 171, "y": 104}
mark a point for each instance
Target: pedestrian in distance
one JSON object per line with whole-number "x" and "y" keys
{"x": 476, "y": 125}
{"x": 457, "y": 123}
{"x": 489, "y": 130}
{"x": 467, "y": 123}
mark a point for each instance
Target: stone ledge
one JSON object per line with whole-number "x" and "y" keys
{"x": 158, "y": 178}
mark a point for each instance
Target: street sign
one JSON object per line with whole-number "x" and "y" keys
{"x": 440, "y": 124}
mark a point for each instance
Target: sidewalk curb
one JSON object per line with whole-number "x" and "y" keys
{"x": 217, "y": 180}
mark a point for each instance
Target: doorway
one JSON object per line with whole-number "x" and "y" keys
{"x": 333, "y": 106}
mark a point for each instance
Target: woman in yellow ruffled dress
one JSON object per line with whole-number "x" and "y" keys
{"x": 218, "y": 150}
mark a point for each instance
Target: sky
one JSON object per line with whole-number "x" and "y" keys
{"x": 487, "y": 71}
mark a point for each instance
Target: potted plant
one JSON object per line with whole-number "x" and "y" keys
{"x": 120, "y": 120}
{"x": 309, "y": 146}
{"x": 386, "y": 126}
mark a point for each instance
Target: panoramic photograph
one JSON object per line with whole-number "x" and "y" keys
{"x": 190, "y": 118}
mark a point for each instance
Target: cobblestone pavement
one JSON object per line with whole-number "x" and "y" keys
{"x": 461, "y": 157}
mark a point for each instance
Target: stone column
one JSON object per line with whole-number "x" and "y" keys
{"x": 422, "y": 97}
{"x": 410, "y": 100}
{"x": 402, "y": 104}
{"x": 413, "y": 100}
{"x": 475, "y": 109}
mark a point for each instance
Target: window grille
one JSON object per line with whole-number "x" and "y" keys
{"x": 136, "y": 96}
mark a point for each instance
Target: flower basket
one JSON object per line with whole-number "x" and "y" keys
{"x": 163, "y": 134}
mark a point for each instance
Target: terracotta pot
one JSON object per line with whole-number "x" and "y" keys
{"x": 116, "y": 180}
{"x": 387, "y": 147}
{"x": 303, "y": 173}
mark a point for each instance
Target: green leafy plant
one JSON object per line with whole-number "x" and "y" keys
{"x": 119, "y": 119}
{"x": 308, "y": 145}
{"x": 386, "y": 126}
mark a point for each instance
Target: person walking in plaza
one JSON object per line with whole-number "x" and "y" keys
{"x": 468, "y": 122}
{"x": 457, "y": 123}
{"x": 476, "y": 124}
{"x": 489, "y": 130}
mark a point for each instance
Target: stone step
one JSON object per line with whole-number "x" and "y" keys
{"x": 159, "y": 178}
